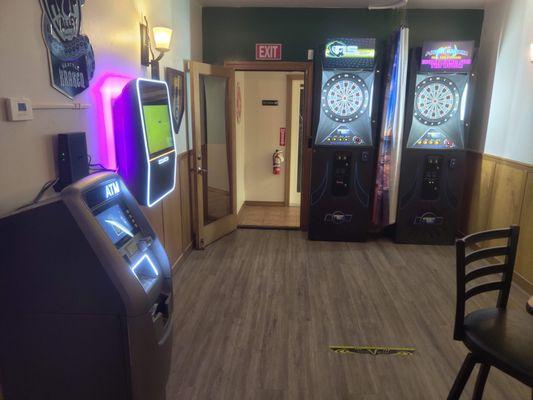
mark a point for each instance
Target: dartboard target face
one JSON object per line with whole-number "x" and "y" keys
{"x": 345, "y": 97}
{"x": 436, "y": 100}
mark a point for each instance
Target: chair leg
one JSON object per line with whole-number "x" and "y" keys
{"x": 480, "y": 381}
{"x": 462, "y": 377}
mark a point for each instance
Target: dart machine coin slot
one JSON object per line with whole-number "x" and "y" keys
{"x": 432, "y": 175}
{"x": 342, "y": 164}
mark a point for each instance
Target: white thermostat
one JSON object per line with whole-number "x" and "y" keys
{"x": 19, "y": 109}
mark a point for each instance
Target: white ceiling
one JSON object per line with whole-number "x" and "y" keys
{"x": 343, "y": 3}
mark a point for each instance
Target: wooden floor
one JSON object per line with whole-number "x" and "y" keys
{"x": 256, "y": 311}
{"x": 269, "y": 216}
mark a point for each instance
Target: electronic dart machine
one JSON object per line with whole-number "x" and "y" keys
{"x": 433, "y": 160}
{"x": 144, "y": 140}
{"x": 344, "y": 126}
{"x": 86, "y": 294}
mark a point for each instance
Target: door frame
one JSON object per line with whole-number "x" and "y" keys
{"x": 206, "y": 234}
{"x": 288, "y": 136}
{"x": 306, "y": 68}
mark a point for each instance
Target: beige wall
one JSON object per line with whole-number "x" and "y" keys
{"x": 502, "y": 118}
{"x": 262, "y": 124}
{"x": 294, "y": 196}
{"x": 26, "y": 148}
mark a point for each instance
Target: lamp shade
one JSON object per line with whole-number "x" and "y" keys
{"x": 531, "y": 52}
{"x": 162, "y": 38}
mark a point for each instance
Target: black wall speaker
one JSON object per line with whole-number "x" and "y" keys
{"x": 72, "y": 159}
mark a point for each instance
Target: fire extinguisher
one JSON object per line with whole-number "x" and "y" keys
{"x": 277, "y": 159}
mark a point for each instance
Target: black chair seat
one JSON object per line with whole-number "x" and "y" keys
{"x": 505, "y": 338}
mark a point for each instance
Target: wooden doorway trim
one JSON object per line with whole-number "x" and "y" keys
{"x": 307, "y": 69}
{"x": 288, "y": 136}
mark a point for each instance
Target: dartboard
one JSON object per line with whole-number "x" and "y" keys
{"x": 436, "y": 100}
{"x": 345, "y": 97}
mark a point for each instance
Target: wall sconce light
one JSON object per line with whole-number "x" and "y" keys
{"x": 162, "y": 37}
{"x": 531, "y": 52}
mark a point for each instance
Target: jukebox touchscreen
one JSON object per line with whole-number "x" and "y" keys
{"x": 144, "y": 139}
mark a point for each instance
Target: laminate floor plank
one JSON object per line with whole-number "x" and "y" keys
{"x": 256, "y": 311}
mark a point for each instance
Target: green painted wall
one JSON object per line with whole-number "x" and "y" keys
{"x": 231, "y": 33}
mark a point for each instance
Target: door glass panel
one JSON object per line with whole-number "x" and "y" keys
{"x": 215, "y": 158}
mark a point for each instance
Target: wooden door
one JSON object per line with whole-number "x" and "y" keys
{"x": 213, "y": 131}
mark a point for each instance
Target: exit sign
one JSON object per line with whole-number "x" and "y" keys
{"x": 268, "y": 51}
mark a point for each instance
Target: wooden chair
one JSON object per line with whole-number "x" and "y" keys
{"x": 495, "y": 336}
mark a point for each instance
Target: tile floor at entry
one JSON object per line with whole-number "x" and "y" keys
{"x": 255, "y": 313}
{"x": 269, "y": 216}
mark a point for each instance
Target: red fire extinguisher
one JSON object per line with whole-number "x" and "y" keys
{"x": 277, "y": 159}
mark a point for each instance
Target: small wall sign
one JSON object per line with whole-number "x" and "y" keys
{"x": 70, "y": 53}
{"x": 268, "y": 51}
{"x": 282, "y": 136}
{"x": 269, "y": 102}
{"x": 176, "y": 86}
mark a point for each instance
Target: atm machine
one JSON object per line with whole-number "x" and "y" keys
{"x": 344, "y": 126}
{"x": 433, "y": 159}
{"x": 86, "y": 295}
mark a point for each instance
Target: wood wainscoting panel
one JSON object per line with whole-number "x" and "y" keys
{"x": 478, "y": 192}
{"x": 155, "y": 217}
{"x": 171, "y": 218}
{"x": 507, "y": 196}
{"x": 499, "y": 193}
{"x": 524, "y": 265}
{"x": 172, "y": 225}
{"x": 185, "y": 190}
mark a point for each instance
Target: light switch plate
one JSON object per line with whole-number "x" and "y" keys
{"x": 19, "y": 109}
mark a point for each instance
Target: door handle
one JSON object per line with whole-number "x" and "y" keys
{"x": 202, "y": 170}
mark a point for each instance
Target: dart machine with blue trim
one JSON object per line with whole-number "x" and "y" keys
{"x": 344, "y": 128}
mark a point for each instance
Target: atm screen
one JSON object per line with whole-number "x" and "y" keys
{"x": 116, "y": 224}
{"x": 158, "y": 128}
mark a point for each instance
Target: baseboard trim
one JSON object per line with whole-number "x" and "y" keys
{"x": 269, "y": 228}
{"x": 182, "y": 258}
{"x": 523, "y": 283}
{"x": 217, "y": 190}
{"x": 265, "y": 203}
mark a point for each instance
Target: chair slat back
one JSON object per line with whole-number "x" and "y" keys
{"x": 506, "y": 269}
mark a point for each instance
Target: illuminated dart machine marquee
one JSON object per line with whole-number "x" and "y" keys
{"x": 144, "y": 140}
{"x": 433, "y": 160}
{"x": 345, "y": 106}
